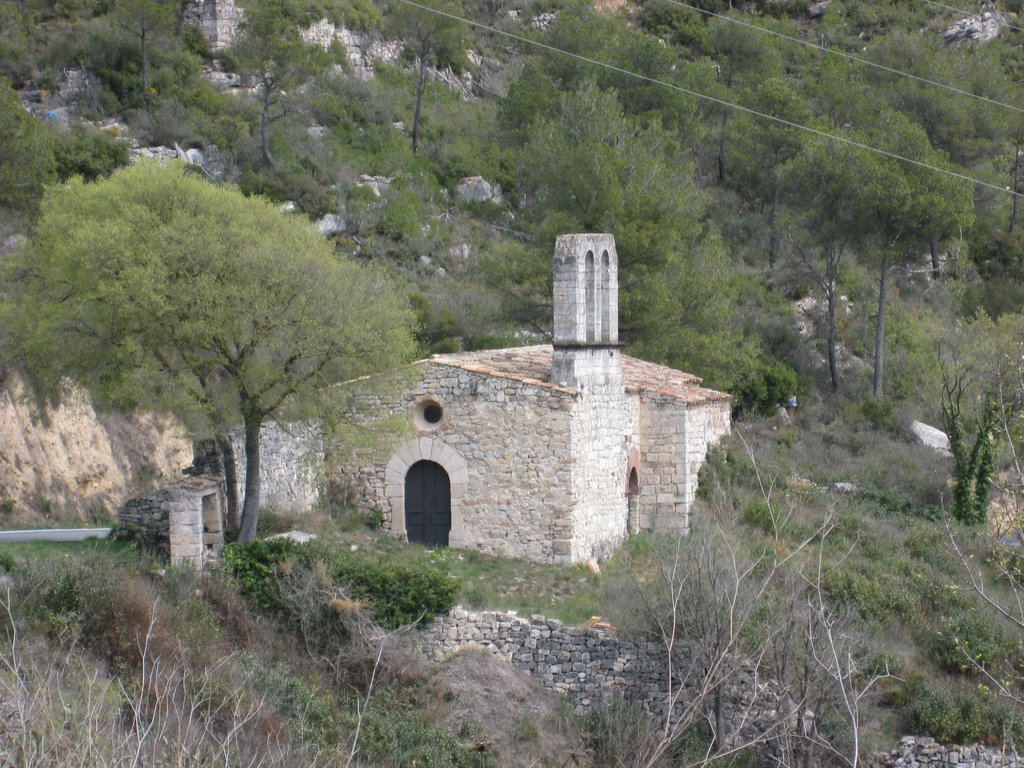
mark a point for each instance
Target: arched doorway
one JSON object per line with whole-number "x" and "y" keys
{"x": 428, "y": 504}
{"x": 633, "y": 498}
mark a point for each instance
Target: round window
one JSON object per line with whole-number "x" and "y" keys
{"x": 427, "y": 414}
{"x": 432, "y": 413}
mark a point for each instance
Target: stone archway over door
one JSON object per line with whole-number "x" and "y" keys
{"x": 428, "y": 504}
{"x": 435, "y": 451}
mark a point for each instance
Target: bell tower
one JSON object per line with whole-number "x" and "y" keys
{"x": 586, "y": 304}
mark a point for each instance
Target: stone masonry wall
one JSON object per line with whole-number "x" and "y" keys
{"x": 674, "y": 442}
{"x": 600, "y": 426}
{"x": 291, "y": 466}
{"x": 663, "y": 489}
{"x": 511, "y": 437}
{"x": 589, "y": 666}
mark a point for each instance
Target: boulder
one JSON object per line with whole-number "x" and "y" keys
{"x": 476, "y": 189}
{"x": 817, "y": 10}
{"x": 934, "y": 438}
{"x": 331, "y": 224}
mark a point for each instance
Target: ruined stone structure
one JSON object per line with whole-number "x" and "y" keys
{"x": 553, "y": 453}
{"x": 592, "y": 666}
{"x": 184, "y": 523}
{"x": 217, "y": 19}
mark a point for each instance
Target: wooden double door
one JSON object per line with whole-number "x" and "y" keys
{"x": 428, "y": 504}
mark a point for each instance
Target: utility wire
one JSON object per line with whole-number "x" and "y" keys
{"x": 721, "y": 102}
{"x": 849, "y": 56}
{"x": 968, "y": 13}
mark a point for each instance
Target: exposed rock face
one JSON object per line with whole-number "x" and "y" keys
{"x": 79, "y": 460}
{"x": 365, "y": 49}
{"x": 975, "y": 29}
{"x": 218, "y": 20}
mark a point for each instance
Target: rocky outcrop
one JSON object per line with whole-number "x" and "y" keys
{"x": 975, "y": 29}
{"x": 75, "y": 460}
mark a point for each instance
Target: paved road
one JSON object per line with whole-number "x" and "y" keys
{"x": 56, "y": 534}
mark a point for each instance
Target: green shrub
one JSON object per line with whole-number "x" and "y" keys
{"x": 397, "y": 594}
{"x": 765, "y": 388}
{"x": 963, "y": 716}
{"x": 758, "y": 514}
{"x": 393, "y": 737}
{"x": 881, "y": 595}
{"x": 88, "y": 152}
{"x": 968, "y": 639}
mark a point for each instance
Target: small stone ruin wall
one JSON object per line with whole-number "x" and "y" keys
{"x": 922, "y": 752}
{"x": 590, "y": 666}
{"x": 185, "y": 523}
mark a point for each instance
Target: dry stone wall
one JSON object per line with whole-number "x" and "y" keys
{"x": 923, "y": 752}
{"x": 590, "y": 666}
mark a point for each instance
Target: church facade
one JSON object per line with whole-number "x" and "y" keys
{"x": 553, "y": 453}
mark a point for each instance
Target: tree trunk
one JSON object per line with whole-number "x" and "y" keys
{"x": 421, "y": 85}
{"x": 883, "y": 284}
{"x": 227, "y": 464}
{"x": 721, "y": 147}
{"x": 773, "y": 234}
{"x": 833, "y": 369}
{"x": 720, "y": 735}
{"x": 933, "y": 247}
{"x": 144, "y": 53}
{"x": 1014, "y": 178}
{"x": 265, "y": 125}
{"x": 251, "y": 501}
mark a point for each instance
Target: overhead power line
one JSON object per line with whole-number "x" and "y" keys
{"x": 849, "y": 56}
{"x": 713, "y": 99}
{"x": 966, "y": 13}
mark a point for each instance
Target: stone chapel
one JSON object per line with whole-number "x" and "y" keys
{"x": 553, "y": 453}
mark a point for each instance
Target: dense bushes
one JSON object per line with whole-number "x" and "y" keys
{"x": 396, "y": 594}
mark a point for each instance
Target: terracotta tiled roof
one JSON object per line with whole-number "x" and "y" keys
{"x": 533, "y": 366}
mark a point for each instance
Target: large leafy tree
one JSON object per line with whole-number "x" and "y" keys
{"x": 154, "y": 287}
